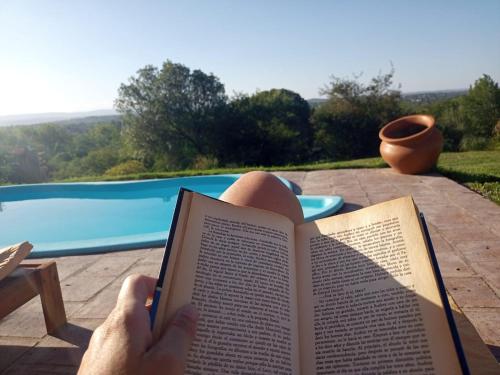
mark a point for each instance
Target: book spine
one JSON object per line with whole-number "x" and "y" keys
{"x": 166, "y": 256}
{"x": 444, "y": 299}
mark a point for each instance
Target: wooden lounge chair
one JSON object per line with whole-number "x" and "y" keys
{"x": 28, "y": 281}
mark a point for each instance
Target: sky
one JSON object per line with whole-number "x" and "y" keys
{"x": 65, "y": 56}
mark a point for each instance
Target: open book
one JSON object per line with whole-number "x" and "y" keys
{"x": 353, "y": 293}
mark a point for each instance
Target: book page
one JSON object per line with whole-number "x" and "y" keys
{"x": 368, "y": 300}
{"x": 237, "y": 265}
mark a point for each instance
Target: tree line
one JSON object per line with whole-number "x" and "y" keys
{"x": 175, "y": 118}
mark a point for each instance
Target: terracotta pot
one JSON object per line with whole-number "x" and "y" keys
{"x": 411, "y": 144}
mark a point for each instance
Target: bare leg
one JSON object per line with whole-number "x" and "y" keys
{"x": 266, "y": 191}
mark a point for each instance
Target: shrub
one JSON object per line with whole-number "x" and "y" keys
{"x": 205, "y": 162}
{"x": 347, "y": 125}
{"x": 471, "y": 143}
{"x": 128, "y": 167}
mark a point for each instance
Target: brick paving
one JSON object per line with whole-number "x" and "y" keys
{"x": 465, "y": 229}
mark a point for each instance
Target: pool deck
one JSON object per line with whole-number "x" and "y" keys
{"x": 464, "y": 227}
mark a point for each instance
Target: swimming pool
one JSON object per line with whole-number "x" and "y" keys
{"x": 63, "y": 219}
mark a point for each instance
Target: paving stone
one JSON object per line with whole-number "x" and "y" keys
{"x": 66, "y": 348}
{"x": 40, "y": 369}
{"x": 11, "y": 348}
{"x": 436, "y": 180}
{"x": 441, "y": 209}
{"x": 397, "y": 178}
{"x": 354, "y": 203}
{"x": 314, "y": 183}
{"x": 479, "y": 251}
{"x": 424, "y": 203}
{"x": 438, "y": 242}
{"x": 307, "y": 183}
{"x": 101, "y": 304}
{"x": 486, "y": 321}
{"x": 433, "y": 231}
{"x": 365, "y": 180}
{"x": 492, "y": 222}
{"x": 319, "y": 190}
{"x": 83, "y": 287}
{"x": 381, "y": 188}
{"x": 355, "y": 197}
{"x": 341, "y": 179}
{"x": 295, "y": 177}
{"x": 154, "y": 256}
{"x": 487, "y": 215}
{"x": 495, "y": 228}
{"x": 451, "y": 262}
{"x": 490, "y": 271}
{"x": 112, "y": 266}
{"x": 28, "y": 320}
{"x": 321, "y": 174}
{"x": 414, "y": 189}
{"x": 471, "y": 292}
{"x": 375, "y": 198}
{"x": 450, "y": 221}
{"x": 472, "y": 201}
{"x": 345, "y": 191}
{"x": 426, "y": 193}
{"x": 67, "y": 266}
{"x": 137, "y": 254}
{"x": 72, "y": 265}
{"x": 144, "y": 267}
{"x": 467, "y": 233}
{"x": 452, "y": 265}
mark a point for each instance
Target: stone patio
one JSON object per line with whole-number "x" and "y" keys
{"x": 465, "y": 229}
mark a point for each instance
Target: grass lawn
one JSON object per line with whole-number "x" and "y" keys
{"x": 479, "y": 170}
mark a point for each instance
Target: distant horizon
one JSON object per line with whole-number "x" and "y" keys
{"x": 5, "y": 117}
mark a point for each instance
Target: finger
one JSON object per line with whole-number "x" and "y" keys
{"x": 149, "y": 302}
{"x": 135, "y": 290}
{"x": 172, "y": 348}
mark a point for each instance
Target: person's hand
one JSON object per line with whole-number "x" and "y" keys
{"x": 123, "y": 344}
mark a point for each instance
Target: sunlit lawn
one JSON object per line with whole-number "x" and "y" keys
{"x": 479, "y": 170}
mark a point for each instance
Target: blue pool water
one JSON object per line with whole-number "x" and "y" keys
{"x": 62, "y": 219}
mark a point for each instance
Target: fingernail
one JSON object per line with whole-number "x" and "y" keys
{"x": 190, "y": 312}
{"x": 186, "y": 319}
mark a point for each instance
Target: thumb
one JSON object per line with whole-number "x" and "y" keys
{"x": 171, "y": 350}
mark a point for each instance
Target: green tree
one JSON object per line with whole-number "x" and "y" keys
{"x": 5, "y": 163}
{"x": 51, "y": 139}
{"x": 347, "y": 125}
{"x": 26, "y": 166}
{"x": 170, "y": 113}
{"x": 99, "y": 161}
{"x": 481, "y": 112}
{"x": 268, "y": 128}
{"x": 450, "y": 120}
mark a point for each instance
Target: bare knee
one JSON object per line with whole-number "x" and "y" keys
{"x": 261, "y": 180}
{"x": 266, "y": 191}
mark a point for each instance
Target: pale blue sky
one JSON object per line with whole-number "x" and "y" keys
{"x": 73, "y": 55}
